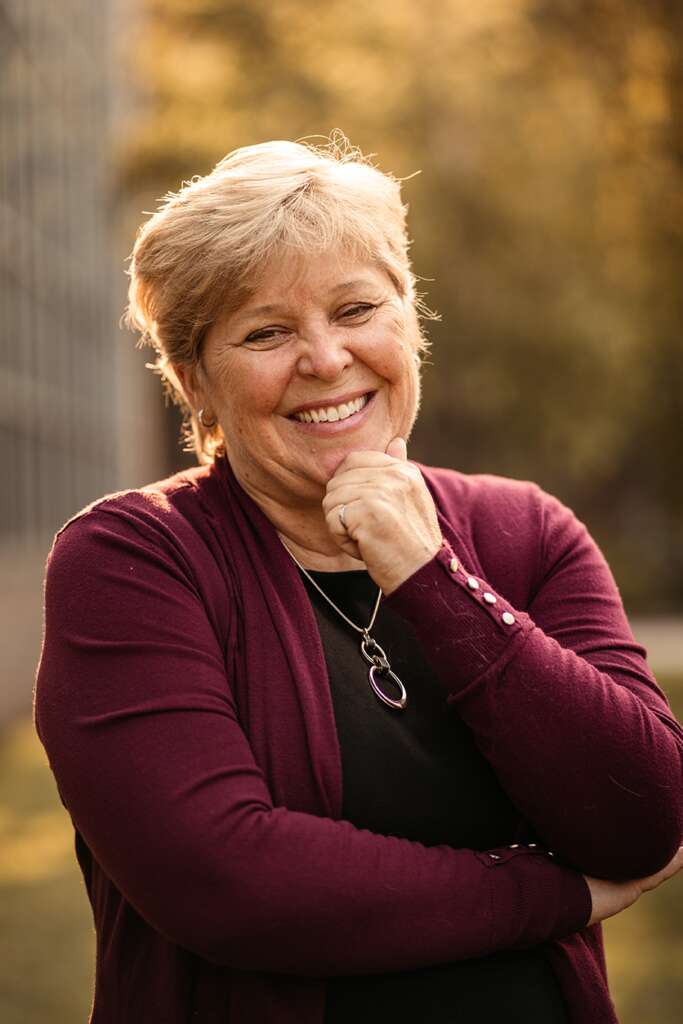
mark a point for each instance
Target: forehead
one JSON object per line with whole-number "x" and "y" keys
{"x": 300, "y": 278}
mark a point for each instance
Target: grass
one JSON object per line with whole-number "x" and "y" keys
{"x": 47, "y": 940}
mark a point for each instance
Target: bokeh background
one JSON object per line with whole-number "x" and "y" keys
{"x": 547, "y": 218}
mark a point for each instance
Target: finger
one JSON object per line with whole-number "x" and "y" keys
{"x": 672, "y": 868}
{"x": 353, "y": 478}
{"x": 348, "y": 496}
{"x": 398, "y": 449}
{"x": 367, "y": 458}
{"x": 334, "y": 499}
{"x": 338, "y": 528}
{"x": 393, "y": 472}
{"x": 340, "y": 532}
{"x": 351, "y": 548}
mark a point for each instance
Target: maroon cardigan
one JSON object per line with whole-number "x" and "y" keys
{"x": 183, "y": 701}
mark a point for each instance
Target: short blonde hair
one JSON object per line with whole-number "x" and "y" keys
{"x": 201, "y": 254}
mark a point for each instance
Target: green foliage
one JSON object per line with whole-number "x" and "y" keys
{"x": 547, "y": 217}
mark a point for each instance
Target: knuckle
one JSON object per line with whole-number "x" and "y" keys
{"x": 407, "y": 472}
{"x": 352, "y": 461}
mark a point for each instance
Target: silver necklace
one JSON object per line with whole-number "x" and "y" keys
{"x": 369, "y": 648}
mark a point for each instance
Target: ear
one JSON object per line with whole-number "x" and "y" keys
{"x": 187, "y": 379}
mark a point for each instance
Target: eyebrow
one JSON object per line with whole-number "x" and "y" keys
{"x": 343, "y": 286}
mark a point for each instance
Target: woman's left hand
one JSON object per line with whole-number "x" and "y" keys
{"x": 391, "y": 521}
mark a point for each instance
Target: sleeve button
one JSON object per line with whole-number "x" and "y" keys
{"x": 454, "y": 565}
{"x": 489, "y": 598}
{"x": 472, "y": 583}
{"x": 508, "y": 618}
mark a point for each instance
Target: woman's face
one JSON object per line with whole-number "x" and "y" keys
{"x": 318, "y": 363}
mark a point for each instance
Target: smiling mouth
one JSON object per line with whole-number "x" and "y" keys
{"x": 333, "y": 413}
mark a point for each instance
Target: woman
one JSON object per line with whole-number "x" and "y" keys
{"x": 342, "y": 737}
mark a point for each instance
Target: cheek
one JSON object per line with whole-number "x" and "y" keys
{"x": 411, "y": 400}
{"x": 401, "y": 367}
{"x": 400, "y": 344}
{"x": 247, "y": 392}
{"x": 407, "y": 389}
{"x": 386, "y": 352}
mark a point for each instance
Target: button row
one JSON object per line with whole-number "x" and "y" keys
{"x": 530, "y": 846}
{"x": 507, "y": 617}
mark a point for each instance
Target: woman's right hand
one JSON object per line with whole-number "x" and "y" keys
{"x": 610, "y": 898}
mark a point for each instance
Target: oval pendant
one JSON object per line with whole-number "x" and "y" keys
{"x": 402, "y": 701}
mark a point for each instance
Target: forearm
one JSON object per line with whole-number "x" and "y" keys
{"x": 323, "y": 898}
{"x": 292, "y": 893}
{"x": 180, "y": 820}
{"x": 595, "y": 770}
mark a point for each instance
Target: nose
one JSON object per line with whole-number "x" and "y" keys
{"x": 324, "y": 353}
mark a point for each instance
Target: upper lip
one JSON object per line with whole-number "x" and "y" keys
{"x": 326, "y": 403}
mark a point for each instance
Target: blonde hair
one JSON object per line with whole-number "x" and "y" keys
{"x": 201, "y": 254}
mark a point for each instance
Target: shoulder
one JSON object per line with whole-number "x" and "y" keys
{"x": 158, "y": 502}
{"x": 163, "y": 519}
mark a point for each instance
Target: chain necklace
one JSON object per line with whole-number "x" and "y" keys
{"x": 369, "y": 648}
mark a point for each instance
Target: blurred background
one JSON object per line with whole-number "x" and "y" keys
{"x": 548, "y": 227}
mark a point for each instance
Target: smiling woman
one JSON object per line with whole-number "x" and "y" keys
{"x": 342, "y": 737}
{"x": 220, "y": 247}
{"x": 321, "y": 345}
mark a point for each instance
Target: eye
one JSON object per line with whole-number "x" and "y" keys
{"x": 269, "y": 337}
{"x": 267, "y": 334}
{"x": 359, "y": 310}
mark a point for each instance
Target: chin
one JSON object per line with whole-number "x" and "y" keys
{"x": 329, "y": 464}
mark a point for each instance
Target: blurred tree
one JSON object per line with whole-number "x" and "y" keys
{"x": 548, "y": 214}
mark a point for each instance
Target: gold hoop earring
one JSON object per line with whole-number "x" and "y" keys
{"x": 203, "y": 423}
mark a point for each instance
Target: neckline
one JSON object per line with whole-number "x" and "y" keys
{"x": 336, "y": 573}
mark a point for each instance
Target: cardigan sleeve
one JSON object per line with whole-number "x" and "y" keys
{"x": 134, "y": 708}
{"x": 557, "y": 694}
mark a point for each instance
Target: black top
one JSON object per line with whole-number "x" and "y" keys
{"x": 416, "y": 773}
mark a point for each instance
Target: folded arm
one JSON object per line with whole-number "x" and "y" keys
{"x": 557, "y": 694}
{"x": 134, "y": 707}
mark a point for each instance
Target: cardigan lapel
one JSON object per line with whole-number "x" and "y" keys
{"x": 281, "y": 682}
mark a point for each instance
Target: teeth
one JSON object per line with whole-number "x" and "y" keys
{"x": 332, "y": 413}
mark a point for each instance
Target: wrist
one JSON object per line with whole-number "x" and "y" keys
{"x": 397, "y": 575}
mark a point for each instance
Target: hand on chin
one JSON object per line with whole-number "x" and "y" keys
{"x": 391, "y": 521}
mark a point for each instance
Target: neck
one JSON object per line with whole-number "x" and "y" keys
{"x": 303, "y": 530}
{"x": 311, "y": 557}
